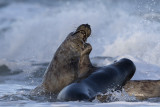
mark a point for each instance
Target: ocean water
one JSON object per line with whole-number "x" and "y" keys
{"x": 32, "y": 30}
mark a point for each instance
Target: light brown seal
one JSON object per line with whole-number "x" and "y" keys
{"x": 70, "y": 62}
{"x": 143, "y": 89}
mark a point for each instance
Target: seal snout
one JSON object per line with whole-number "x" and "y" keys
{"x": 84, "y": 29}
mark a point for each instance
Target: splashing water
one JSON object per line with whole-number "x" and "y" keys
{"x": 31, "y": 31}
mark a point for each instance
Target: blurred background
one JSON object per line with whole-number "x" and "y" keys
{"x": 32, "y": 30}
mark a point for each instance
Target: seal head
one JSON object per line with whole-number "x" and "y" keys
{"x": 85, "y": 31}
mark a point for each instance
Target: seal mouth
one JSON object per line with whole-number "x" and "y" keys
{"x": 84, "y": 39}
{"x": 85, "y": 31}
{"x": 84, "y": 35}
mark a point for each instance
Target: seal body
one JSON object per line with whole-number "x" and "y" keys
{"x": 68, "y": 62}
{"x": 111, "y": 77}
{"x": 143, "y": 89}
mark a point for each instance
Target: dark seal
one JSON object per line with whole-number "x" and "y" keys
{"x": 111, "y": 77}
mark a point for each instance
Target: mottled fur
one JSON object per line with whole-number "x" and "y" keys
{"x": 143, "y": 89}
{"x": 85, "y": 65}
{"x": 65, "y": 66}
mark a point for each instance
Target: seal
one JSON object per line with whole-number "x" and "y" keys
{"x": 70, "y": 62}
{"x": 111, "y": 77}
{"x": 143, "y": 89}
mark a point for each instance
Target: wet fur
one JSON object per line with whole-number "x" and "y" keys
{"x": 65, "y": 66}
{"x": 85, "y": 65}
{"x": 143, "y": 89}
